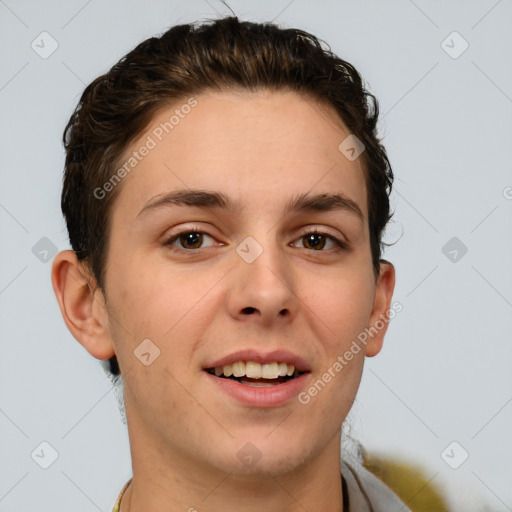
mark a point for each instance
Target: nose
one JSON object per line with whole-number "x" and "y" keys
{"x": 263, "y": 287}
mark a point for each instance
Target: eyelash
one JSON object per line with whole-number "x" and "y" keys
{"x": 341, "y": 245}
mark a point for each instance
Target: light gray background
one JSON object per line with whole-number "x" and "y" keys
{"x": 445, "y": 371}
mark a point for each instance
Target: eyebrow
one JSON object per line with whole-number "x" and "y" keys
{"x": 211, "y": 199}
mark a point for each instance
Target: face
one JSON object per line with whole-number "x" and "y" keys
{"x": 245, "y": 279}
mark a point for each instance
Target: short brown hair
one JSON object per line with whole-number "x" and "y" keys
{"x": 221, "y": 55}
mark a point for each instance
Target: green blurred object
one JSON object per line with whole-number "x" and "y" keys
{"x": 408, "y": 481}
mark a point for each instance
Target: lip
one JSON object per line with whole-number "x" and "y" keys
{"x": 279, "y": 356}
{"x": 264, "y": 397}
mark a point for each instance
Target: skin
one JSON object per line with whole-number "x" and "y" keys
{"x": 261, "y": 149}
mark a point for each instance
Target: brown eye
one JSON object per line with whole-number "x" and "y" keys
{"x": 193, "y": 238}
{"x": 188, "y": 240}
{"x": 316, "y": 241}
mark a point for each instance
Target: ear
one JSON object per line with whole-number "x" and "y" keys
{"x": 82, "y": 305}
{"x": 379, "y": 318}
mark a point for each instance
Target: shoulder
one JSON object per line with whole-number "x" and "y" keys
{"x": 367, "y": 493}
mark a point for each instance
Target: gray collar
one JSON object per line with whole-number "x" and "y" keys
{"x": 366, "y": 493}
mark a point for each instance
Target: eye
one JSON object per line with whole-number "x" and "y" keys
{"x": 316, "y": 240}
{"x": 193, "y": 239}
{"x": 189, "y": 240}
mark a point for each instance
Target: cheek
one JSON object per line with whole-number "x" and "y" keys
{"x": 343, "y": 305}
{"x": 351, "y": 302}
{"x": 151, "y": 302}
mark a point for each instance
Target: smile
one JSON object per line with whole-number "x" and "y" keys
{"x": 251, "y": 373}
{"x": 259, "y": 385}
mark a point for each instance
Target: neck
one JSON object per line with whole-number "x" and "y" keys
{"x": 173, "y": 482}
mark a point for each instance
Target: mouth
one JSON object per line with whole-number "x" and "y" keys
{"x": 251, "y": 373}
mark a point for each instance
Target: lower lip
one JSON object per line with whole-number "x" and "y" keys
{"x": 264, "y": 396}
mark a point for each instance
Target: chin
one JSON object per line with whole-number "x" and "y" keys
{"x": 263, "y": 454}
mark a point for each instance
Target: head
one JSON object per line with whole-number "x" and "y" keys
{"x": 258, "y": 115}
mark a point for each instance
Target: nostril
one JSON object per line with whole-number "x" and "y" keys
{"x": 249, "y": 310}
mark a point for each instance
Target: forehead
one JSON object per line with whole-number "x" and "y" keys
{"x": 260, "y": 148}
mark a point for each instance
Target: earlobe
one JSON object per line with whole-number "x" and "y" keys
{"x": 82, "y": 307}
{"x": 379, "y": 318}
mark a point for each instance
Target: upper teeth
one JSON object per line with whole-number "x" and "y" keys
{"x": 255, "y": 370}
